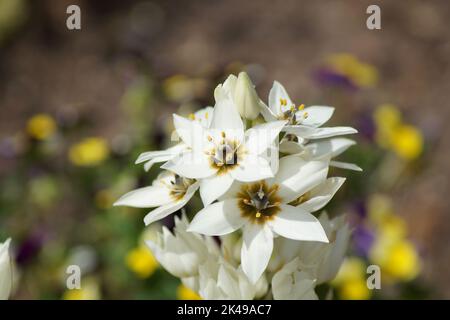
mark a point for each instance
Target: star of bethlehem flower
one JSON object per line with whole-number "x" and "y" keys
{"x": 303, "y": 122}
{"x": 257, "y": 205}
{"x": 169, "y": 192}
{"x": 264, "y": 209}
{"x": 224, "y": 152}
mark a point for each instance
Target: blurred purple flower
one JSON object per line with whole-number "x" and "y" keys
{"x": 366, "y": 126}
{"x": 327, "y": 77}
{"x": 363, "y": 239}
{"x": 30, "y": 247}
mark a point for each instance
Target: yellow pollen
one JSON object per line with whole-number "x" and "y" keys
{"x": 283, "y": 102}
{"x": 305, "y": 115}
{"x": 293, "y": 108}
{"x": 301, "y": 107}
{"x": 206, "y": 115}
{"x": 223, "y": 134}
{"x": 258, "y": 214}
{"x": 209, "y": 138}
{"x": 192, "y": 116}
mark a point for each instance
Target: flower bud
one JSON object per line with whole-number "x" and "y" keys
{"x": 245, "y": 97}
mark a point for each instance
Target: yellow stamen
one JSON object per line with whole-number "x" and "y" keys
{"x": 258, "y": 214}
{"x": 305, "y": 115}
{"x": 223, "y": 134}
{"x": 209, "y": 138}
{"x": 191, "y": 116}
{"x": 301, "y": 107}
{"x": 283, "y": 102}
{"x": 206, "y": 115}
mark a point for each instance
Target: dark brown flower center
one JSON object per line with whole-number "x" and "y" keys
{"x": 259, "y": 202}
{"x": 178, "y": 186}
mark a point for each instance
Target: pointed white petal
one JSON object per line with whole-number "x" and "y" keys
{"x": 321, "y": 133}
{"x": 300, "y": 130}
{"x": 267, "y": 114}
{"x": 146, "y": 197}
{"x": 345, "y": 165}
{"x": 145, "y": 156}
{"x": 163, "y": 211}
{"x": 191, "y": 132}
{"x": 277, "y": 93}
{"x": 260, "y": 137}
{"x": 256, "y": 250}
{"x": 297, "y": 224}
{"x": 213, "y": 187}
{"x": 218, "y": 219}
{"x": 252, "y": 168}
{"x": 317, "y": 115}
{"x": 297, "y": 176}
{"x": 328, "y": 148}
{"x": 322, "y": 194}
{"x": 226, "y": 118}
{"x": 193, "y": 165}
{"x": 148, "y": 165}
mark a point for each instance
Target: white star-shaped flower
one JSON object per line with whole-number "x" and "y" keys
{"x": 224, "y": 152}
{"x": 263, "y": 210}
{"x": 169, "y": 192}
{"x": 202, "y": 117}
{"x": 303, "y": 122}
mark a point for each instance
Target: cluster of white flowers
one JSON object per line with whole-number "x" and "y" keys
{"x": 5, "y": 271}
{"x": 261, "y": 172}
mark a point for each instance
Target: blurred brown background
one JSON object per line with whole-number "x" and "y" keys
{"x": 45, "y": 67}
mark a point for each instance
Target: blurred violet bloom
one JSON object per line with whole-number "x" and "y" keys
{"x": 327, "y": 77}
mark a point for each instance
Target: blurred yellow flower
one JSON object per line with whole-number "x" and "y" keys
{"x": 355, "y": 289}
{"x": 392, "y": 133}
{"x": 89, "y": 152}
{"x": 141, "y": 261}
{"x": 89, "y": 291}
{"x": 361, "y": 74}
{"x": 351, "y": 280}
{"x": 407, "y": 142}
{"x": 184, "y": 293}
{"x": 352, "y": 268}
{"x": 398, "y": 259}
{"x": 41, "y": 126}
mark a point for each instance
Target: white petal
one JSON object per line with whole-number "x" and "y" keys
{"x": 6, "y": 274}
{"x": 297, "y": 176}
{"x": 165, "y": 210}
{"x": 297, "y": 224}
{"x": 322, "y": 194}
{"x": 145, "y": 156}
{"x": 317, "y": 115}
{"x": 252, "y": 168}
{"x": 277, "y": 93}
{"x": 300, "y": 130}
{"x": 223, "y": 91}
{"x": 217, "y": 219}
{"x": 291, "y": 147}
{"x": 329, "y": 148}
{"x": 345, "y": 165}
{"x": 193, "y": 165}
{"x": 256, "y": 250}
{"x": 146, "y": 197}
{"x": 191, "y": 132}
{"x": 260, "y": 137}
{"x": 213, "y": 187}
{"x": 226, "y": 118}
{"x": 148, "y": 165}
{"x": 321, "y": 133}
{"x": 267, "y": 114}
